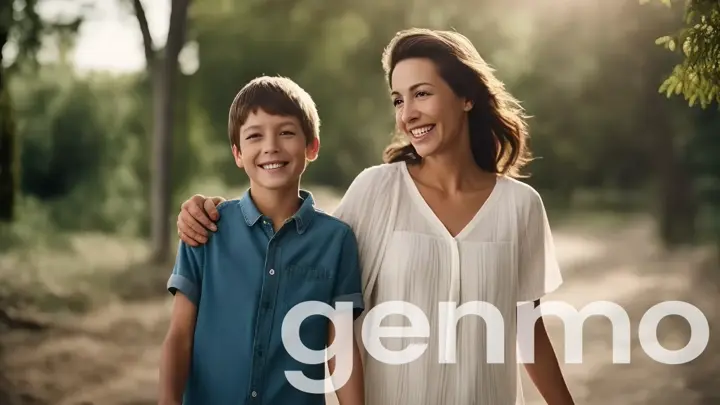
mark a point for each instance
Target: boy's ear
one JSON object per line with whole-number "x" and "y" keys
{"x": 238, "y": 156}
{"x": 312, "y": 150}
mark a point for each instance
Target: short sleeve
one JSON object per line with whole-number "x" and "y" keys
{"x": 538, "y": 268}
{"x": 186, "y": 276}
{"x": 370, "y": 207}
{"x": 348, "y": 282}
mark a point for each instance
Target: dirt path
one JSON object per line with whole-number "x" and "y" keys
{"x": 634, "y": 273}
{"x": 110, "y": 356}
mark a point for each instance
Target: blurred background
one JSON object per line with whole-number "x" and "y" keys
{"x": 112, "y": 112}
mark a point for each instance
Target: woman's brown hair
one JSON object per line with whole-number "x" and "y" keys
{"x": 498, "y": 131}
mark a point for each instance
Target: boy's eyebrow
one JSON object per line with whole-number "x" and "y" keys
{"x": 279, "y": 124}
{"x": 251, "y": 128}
{"x": 413, "y": 87}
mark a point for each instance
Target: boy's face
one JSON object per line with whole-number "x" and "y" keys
{"x": 273, "y": 150}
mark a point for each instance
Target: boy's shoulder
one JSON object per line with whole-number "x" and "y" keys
{"x": 230, "y": 205}
{"x": 230, "y": 213}
{"x": 330, "y": 223}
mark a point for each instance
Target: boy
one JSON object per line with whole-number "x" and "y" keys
{"x": 272, "y": 251}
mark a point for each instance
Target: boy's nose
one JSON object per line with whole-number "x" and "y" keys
{"x": 271, "y": 145}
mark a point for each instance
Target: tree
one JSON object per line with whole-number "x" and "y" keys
{"x": 162, "y": 67}
{"x": 21, "y": 23}
{"x": 697, "y": 77}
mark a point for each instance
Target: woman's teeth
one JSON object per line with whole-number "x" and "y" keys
{"x": 420, "y": 132}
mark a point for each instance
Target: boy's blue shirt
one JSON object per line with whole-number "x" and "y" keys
{"x": 244, "y": 280}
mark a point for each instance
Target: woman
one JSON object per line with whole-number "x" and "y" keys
{"x": 444, "y": 219}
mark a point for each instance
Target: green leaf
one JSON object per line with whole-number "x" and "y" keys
{"x": 678, "y": 88}
{"x": 662, "y": 40}
{"x": 664, "y": 86}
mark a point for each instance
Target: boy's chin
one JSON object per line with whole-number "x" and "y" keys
{"x": 274, "y": 184}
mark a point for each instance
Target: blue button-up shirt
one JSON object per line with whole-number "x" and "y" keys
{"x": 244, "y": 280}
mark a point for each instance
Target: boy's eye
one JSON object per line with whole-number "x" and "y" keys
{"x": 396, "y": 102}
{"x": 251, "y": 136}
{"x": 287, "y": 133}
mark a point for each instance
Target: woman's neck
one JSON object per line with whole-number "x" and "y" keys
{"x": 452, "y": 171}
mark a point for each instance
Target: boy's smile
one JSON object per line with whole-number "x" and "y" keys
{"x": 273, "y": 150}
{"x": 272, "y": 166}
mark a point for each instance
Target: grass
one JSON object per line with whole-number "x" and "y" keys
{"x": 43, "y": 270}
{"x": 86, "y": 271}
{"x": 47, "y": 271}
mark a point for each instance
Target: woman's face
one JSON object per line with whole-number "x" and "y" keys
{"x": 427, "y": 110}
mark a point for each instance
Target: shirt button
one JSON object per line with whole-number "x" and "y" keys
{"x": 254, "y": 394}
{"x": 272, "y": 272}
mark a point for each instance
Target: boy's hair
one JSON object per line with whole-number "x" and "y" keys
{"x": 276, "y": 96}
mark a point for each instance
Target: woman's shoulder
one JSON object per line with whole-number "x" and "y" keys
{"x": 380, "y": 172}
{"x": 520, "y": 193}
{"x": 376, "y": 178}
{"x": 371, "y": 189}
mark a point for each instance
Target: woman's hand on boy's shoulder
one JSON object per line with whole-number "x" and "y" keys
{"x": 197, "y": 218}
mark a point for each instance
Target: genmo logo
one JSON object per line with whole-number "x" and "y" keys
{"x": 450, "y": 314}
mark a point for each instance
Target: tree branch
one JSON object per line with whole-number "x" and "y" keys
{"x": 148, "y": 45}
{"x": 177, "y": 28}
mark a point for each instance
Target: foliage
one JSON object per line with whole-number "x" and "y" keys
{"x": 81, "y": 146}
{"x": 25, "y": 27}
{"x": 598, "y": 126}
{"x": 697, "y": 77}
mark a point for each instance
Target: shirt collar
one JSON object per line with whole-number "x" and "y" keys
{"x": 303, "y": 217}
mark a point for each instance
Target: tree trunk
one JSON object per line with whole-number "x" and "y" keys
{"x": 8, "y": 155}
{"x": 676, "y": 200}
{"x": 160, "y": 176}
{"x": 678, "y": 205}
{"x": 164, "y": 71}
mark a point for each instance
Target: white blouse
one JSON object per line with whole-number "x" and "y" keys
{"x": 503, "y": 256}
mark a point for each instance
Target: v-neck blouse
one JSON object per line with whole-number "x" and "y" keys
{"x": 504, "y": 256}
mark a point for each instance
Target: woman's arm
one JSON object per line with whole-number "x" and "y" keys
{"x": 539, "y": 274}
{"x": 545, "y": 371}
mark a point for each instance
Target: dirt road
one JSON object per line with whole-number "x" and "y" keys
{"x": 110, "y": 355}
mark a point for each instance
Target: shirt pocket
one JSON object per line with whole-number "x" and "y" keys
{"x": 302, "y": 283}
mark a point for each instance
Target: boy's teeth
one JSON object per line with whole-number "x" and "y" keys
{"x": 273, "y": 166}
